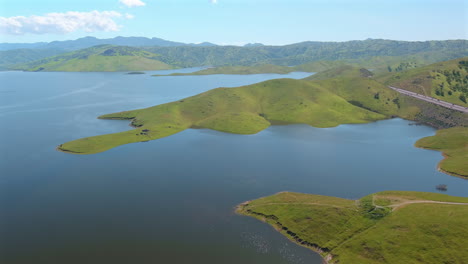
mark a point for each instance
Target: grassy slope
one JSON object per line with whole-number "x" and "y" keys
{"x": 358, "y": 86}
{"x": 358, "y": 232}
{"x": 453, "y": 142}
{"x": 243, "y": 110}
{"x": 100, "y": 58}
{"x": 426, "y": 80}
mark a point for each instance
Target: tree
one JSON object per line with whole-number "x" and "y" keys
{"x": 462, "y": 98}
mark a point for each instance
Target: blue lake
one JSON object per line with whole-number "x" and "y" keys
{"x": 171, "y": 200}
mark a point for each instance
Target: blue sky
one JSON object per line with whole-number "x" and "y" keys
{"x": 275, "y": 22}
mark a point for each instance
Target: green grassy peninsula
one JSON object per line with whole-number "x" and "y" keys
{"x": 453, "y": 142}
{"x": 342, "y": 95}
{"x": 243, "y": 110}
{"x": 385, "y": 227}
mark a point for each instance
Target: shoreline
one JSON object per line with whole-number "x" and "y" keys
{"x": 366, "y": 223}
{"x": 447, "y": 172}
{"x": 303, "y": 243}
{"x": 445, "y": 156}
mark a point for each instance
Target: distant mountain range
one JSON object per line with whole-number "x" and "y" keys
{"x": 86, "y": 42}
{"x": 371, "y": 53}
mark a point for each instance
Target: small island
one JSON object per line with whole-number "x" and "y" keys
{"x": 384, "y": 227}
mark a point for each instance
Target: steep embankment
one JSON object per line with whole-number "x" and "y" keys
{"x": 385, "y": 227}
{"x": 100, "y": 58}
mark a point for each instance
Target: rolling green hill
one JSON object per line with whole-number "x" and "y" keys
{"x": 447, "y": 81}
{"x": 100, "y": 58}
{"x": 385, "y": 227}
{"x": 358, "y": 87}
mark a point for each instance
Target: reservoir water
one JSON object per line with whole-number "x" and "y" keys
{"x": 171, "y": 200}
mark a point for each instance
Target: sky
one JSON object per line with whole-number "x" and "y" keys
{"x": 235, "y": 22}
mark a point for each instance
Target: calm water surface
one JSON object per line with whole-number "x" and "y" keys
{"x": 171, "y": 200}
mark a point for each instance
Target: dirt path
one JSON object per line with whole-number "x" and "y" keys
{"x": 396, "y": 206}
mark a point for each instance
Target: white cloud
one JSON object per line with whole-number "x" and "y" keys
{"x": 214, "y": 1}
{"x": 61, "y": 23}
{"x": 132, "y": 3}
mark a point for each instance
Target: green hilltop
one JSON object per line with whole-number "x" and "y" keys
{"x": 100, "y": 58}
{"x": 385, "y": 227}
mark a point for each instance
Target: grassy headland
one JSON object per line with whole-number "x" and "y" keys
{"x": 453, "y": 143}
{"x": 346, "y": 94}
{"x": 385, "y": 227}
{"x": 244, "y": 110}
